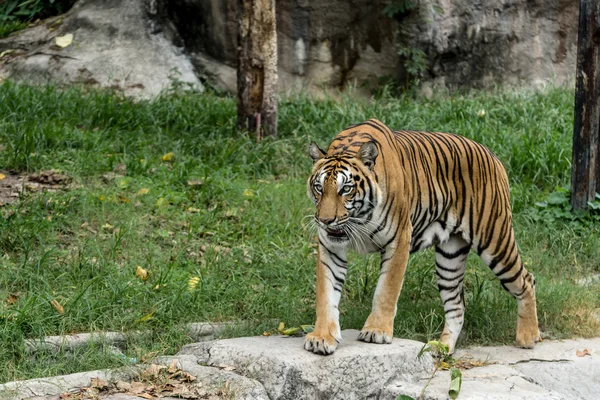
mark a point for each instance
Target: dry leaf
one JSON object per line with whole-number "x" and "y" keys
{"x": 155, "y": 369}
{"x": 137, "y": 387}
{"x": 98, "y": 383}
{"x": 58, "y": 307}
{"x": 195, "y": 182}
{"x": 145, "y": 396}
{"x": 123, "y": 386}
{"x": 13, "y": 298}
{"x": 585, "y": 352}
{"x": 2, "y": 176}
{"x": 141, "y": 273}
{"x": 173, "y": 367}
{"x": 64, "y": 41}
{"x": 142, "y": 191}
{"x": 265, "y": 333}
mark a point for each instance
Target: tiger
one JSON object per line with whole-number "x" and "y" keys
{"x": 398, "y": 192}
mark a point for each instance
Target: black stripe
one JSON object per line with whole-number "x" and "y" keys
{"x": 450, "y": 256}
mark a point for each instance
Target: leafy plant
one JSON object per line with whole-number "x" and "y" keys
{"x": 415, "y": 60}
{"x": 443, "y": 361}
{"x": 31, "y": 9}
{"x": 557, "y": 207}
{"x": 395, "y": 7}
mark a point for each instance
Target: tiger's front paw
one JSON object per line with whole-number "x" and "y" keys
{"x": 321, "y": 343}
{"x": 371, "y": 334}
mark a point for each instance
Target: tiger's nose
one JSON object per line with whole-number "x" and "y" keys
{"x": 326, "y": 220}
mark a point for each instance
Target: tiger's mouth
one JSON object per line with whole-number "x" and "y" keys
{"x": 338, "y": 235}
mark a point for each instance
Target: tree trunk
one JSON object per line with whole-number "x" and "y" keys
{"x": 585, "y": 170}
{"x": 257, "y": 67}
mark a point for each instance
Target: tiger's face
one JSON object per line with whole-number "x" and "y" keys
{"x": 344, "y": 191}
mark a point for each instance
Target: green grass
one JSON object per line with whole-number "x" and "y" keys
{"x": 81, "y": 247}
{"x": 8, "y": 27}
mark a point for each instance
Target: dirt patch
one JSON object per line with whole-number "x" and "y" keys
{"x": 14, "y": 186}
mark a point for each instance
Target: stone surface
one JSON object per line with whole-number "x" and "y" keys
{"x": 467, "y": 43}
{"x": 116, "y": 44}
{"x": 553, "y": 365}
{"x": 278, "y": 367}
{"x": 286, "y": 370}
{"x": 238, "y": 386}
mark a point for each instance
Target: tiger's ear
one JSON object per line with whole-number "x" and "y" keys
{"x": 367, "y": 154}
{"x": 315, "y": 152}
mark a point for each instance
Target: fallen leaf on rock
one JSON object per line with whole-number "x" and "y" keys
{"x": 2, "y": 176}
{"x": 137, "y": 387}
{"x": 145, "y": 396}
{"x": 585, "y": 352}
{"x": 184, "y": 392}
{"x": 124, "y": 386}
{"x": 154, "y": 369}
{"x": 64, "y": 41}
{"x": 99, "y": 383}
{"x": 172, "y": 367}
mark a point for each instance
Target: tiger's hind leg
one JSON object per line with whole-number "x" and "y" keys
{"x": 503, "y": 258}
{"x": 450, "y": 262}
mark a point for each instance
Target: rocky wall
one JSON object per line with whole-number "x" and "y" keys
{"x": 467, "y": 43}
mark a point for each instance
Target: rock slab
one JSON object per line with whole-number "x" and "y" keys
{"x": 116, "y": 44}
{"x": 356, "y": 370}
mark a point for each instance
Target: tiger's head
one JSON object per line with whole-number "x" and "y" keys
{"x": 344, "y": 190}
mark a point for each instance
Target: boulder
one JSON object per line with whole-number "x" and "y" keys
{"x": 356, "y": 370}
{"x": 116, "y": 44}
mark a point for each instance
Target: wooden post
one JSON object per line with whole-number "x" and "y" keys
{"x": 257, "y": 67}
{"x": 585, "y": 170}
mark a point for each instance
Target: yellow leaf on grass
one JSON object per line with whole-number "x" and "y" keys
{"x": 2, "y": 176}
{"x": 168, "y": 157}
{"x": 141, "y": 273}
{"x": 58, "y": 307}
{"x": 281, "y": 327}
{"x": 147, "y": 317}
{"x": 248, "y": 193}
{"x": 142, "y": 191}
{"x": 193, "y": 283}
{"x": 64, "y": 41}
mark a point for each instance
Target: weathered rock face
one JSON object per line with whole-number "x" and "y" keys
{"x": 357, "y": 370}
{"x": 135, "y": 45}
{"x": 327, "y": 43}
{"x": 116, "y": 44}
{"x": 482, "y": 42}
{"x": 467, "y": 43}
